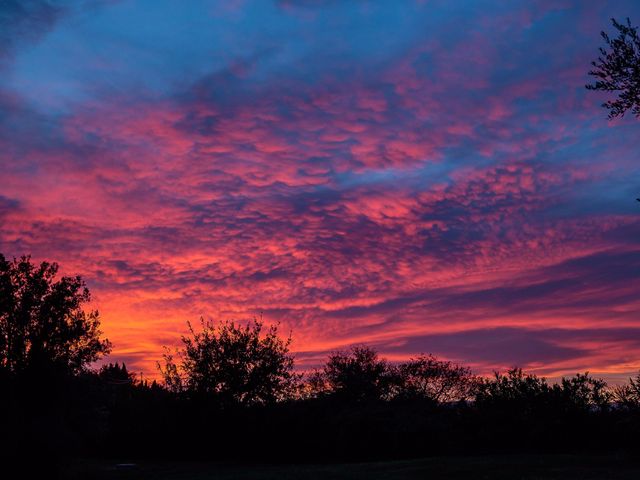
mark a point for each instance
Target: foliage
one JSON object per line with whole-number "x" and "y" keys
{"x": 628, "y": 395}
{"x": 618, "y": 70}
{"x": 527, "y": 392}
{"x": 515, "y": 388}
{"x": 232, "y": 363}
{"x": 436, "y": 380}
{"x": 583, "y": 392}
{"x": 315, "y": 385}
{"x": 115, "y": 374}
{"x": 358, "y": 374}
{"x": 43, "y": 324}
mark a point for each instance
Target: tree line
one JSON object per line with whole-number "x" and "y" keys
{"x": 231, "y": 391}
{"x": 228, "y": 363}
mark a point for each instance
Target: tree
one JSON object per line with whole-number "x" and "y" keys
{"x": 628, "y": 395}
{"x": 583, "y": 392}
{"x": 529, "y": 395}
{"x": 114, "y": 374}
{"x": 618, "y": 70}
{"x": 315, "y": 385}
{"x": 231, "y": 363}
{"x": 515, "y": 389}
{"x": 43, "y": 324}
{"x": 358, "y": 374}
{"x": 439, "y": 381}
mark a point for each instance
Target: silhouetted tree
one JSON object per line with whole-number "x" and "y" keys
{"x": 628, "y": 395}
{"x": 43, "y": 324}
{"x": 358, "y": 374}
{"x": 315, "y": 385}
{"x": 115, "y": 374}
{"x": 515, "y": 388}
{"x": 583, "y": 392}
{"x": 527, "y": 397}
{"x": 232, "y": 363}
{"x": 439, "y": 381}
{"x": 617, "y": 69}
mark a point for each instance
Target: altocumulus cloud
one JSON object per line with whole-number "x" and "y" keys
{"x": 361, "y": 172}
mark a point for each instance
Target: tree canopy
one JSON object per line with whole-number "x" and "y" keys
{"x": 43, "y": 323}
{"x": 232, "y": 363}
{"x": 358, "y": 374}
{"x": 436, "y": 380}
{"x": 617, "y": 69}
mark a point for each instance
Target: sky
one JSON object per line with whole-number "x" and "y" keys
{"x": 420, "y": 176}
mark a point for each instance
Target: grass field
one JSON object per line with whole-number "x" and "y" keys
{"x": 532, "y": 467}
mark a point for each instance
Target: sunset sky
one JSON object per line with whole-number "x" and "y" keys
{"x": 420, "y": 176}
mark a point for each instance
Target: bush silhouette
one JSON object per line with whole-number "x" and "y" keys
{"x": 583, "y": 393}
{"x": 232, "y": 364}
{"x": 628, "y": 395}
{"x": 116, "y": 374}
{"x": 358, "y": 374}
{"x": 439, "y": 381}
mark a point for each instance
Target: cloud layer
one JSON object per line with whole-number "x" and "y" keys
{"x": 421, "y": 178}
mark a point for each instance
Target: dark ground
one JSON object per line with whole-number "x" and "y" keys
{"x": 520, "y": 467}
